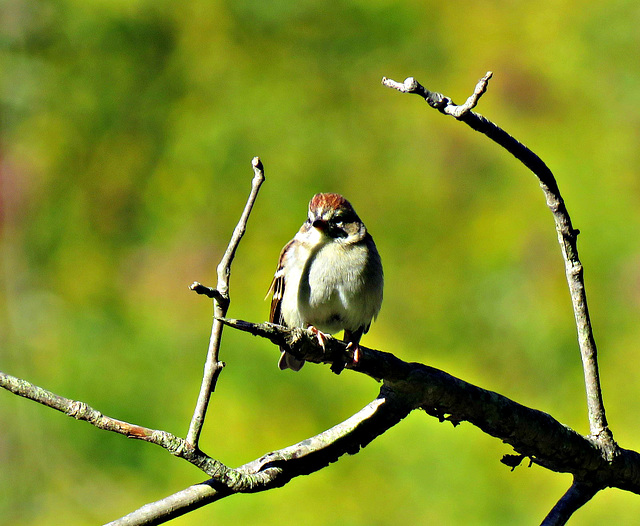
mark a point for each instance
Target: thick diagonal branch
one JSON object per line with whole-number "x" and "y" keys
{"x": 532, "y": 433}
{"x": 567, "y": 235}
{"x": 406, "y": 386}
{"x": 221, "y": 299}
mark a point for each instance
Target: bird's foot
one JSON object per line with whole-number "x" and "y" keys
{"x": 320, "y": 336}
{"x": 337, "y": 366}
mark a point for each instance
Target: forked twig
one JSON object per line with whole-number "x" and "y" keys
{"x": 438, "y": 100}
{"x": 221, "y": 299}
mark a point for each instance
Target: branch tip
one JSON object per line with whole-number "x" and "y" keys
{"x": 258, "y": 170}
{"x": 212, "y": 293}
{"x": 231, "y": 322}
{"x": 410, "y": 85}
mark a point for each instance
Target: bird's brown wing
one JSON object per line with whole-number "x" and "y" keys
{"x": 287, "y": 360}
{"x": 277, "y": 289}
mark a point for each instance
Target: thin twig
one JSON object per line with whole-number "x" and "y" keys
{"x": 575, "y": 497}
{"x": 567, "y": 237}
{"x": 438, "y": 100}
{"x": 199, "y": 288}
{"x": 81, "y": 411}
{"x": 221, "y": 299}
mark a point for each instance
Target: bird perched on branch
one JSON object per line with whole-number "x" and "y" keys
{"x": 329, "y": 277}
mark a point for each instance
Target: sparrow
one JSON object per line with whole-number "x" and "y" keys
{"x": 329, "y": 277}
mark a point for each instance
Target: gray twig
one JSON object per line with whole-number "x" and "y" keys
{"x": 567, "y": 237}
{"x": 199, "y": 288}
{"x": 438, "y": 100}
{"x": 81, "y": 411}
{"x": 221, "y": 299}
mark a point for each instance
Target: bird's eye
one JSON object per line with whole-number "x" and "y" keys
{"x": 339, "y": 219}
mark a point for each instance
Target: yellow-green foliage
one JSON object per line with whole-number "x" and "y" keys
{"x": 128, "y": 129}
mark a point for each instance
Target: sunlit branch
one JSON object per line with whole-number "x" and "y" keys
{"x": 277, "y": 468}
{"x": 567, "y": 236}
{"x": 532, "y": 433}
{"x": 81, "y": 411}
{"x": 221, "y": 299}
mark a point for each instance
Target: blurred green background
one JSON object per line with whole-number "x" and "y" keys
{"x": 128, "y": 128}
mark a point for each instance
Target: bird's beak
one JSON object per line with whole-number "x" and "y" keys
{"x": 320, "y": 225}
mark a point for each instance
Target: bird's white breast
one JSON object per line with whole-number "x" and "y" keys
{"x": 328, "y": 286}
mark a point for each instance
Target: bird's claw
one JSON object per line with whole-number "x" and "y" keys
{"x": 356, "y": 352}
{"x": 320, "y": 336}
{"x": 339, "y": 365}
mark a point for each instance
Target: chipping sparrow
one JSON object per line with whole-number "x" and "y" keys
{"x": 329, "y": 276}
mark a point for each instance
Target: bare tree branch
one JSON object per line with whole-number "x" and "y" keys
{"x": 279, "y": 467}
{"x": 272, "y": 470}
{"x": 199, "y": 288}
{"x": 406, "y": 386}
{"x": 596, "y": 461}
{"x": 532, "y": 433}
{"x": 567, "y": 236}
{"x": 221, "y": 300}
{"x": 437, "y": 100}
{"x": 173, "y": 506}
